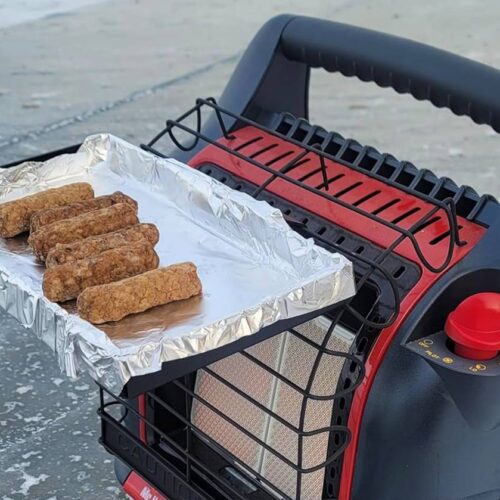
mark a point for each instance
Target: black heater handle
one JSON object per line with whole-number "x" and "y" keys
{"x": 273, "y": 73}
{"x": 447, "y": 80}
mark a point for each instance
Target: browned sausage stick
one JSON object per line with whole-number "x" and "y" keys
{"x": 94, "y": 245}
{"x": 15, "y": 215}
{"x": 114, "y": 301}
{"x": 50, "y": 215}
{"x": 67, "y": 281}
{"x": 77, "y": 228}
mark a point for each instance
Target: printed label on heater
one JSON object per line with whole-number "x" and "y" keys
{"x": 147, "y": 494}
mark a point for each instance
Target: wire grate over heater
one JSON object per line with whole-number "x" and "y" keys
{"x": 436, "y": 206}
{"x": 271, "y": 421}
{"x": 276, "y": 431}
{"x": 436, "y": 201}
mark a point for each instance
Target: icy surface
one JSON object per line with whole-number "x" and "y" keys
{"x": 48, "y": 426}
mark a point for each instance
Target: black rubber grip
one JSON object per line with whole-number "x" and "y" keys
{"x": 446, "y": 80}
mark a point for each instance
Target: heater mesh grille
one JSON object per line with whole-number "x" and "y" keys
{"x": 294, "y": 359}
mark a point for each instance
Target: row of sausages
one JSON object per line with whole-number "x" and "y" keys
{"x": 96, "y": 250}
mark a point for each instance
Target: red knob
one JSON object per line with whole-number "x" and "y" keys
{"x": 474, "y": 326}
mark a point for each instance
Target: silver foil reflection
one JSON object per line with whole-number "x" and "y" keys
{"x": 254, "y": 269}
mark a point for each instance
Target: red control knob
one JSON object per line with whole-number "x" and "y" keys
{"x": 474, "y": 326}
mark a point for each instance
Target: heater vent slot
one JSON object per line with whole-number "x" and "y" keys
{"x": 366, "y": 198}
{"x": 405, "y": 215}
{"x": 385, "y": 206}
{"x": 279, "y": 158}
{"x": 263, "y": 150}
{"x": 346, "y": 190}
{"x": 329, "y": 181}
{"x": 441, "y": 237}
{"x": 248, "y": 143}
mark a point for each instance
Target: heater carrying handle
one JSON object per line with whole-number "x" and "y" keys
{"x": 446, "y": 80}
{"x": 273, "y": 73}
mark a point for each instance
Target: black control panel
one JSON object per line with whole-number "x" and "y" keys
{"x": 436, "y": 349}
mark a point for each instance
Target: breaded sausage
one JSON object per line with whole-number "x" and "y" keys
{"x": 50, "y": 215}
{"x": 15, "y": 215}
{"x": 71, "y": 252}
{"x": 66, "y": 282}
{"x": 114, "y": 301}
{"x": 82, "y": 226}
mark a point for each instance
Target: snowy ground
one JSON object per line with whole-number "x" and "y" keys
{"x": 124, "y": 66}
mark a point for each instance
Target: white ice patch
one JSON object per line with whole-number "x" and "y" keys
{"x": 36, "y": 418}
{"x": 82, "y": 476}
{"x": 455, "y": 152}
{"x": 28, "y": 481}
{"x": 24, "y": 389}
{"x": 10, "y": 406}
{"x": 72, "y": 395}
{"x": 114, "y": 489}
{"x": 29, "y": 355}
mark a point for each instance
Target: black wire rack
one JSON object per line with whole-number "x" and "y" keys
{"x": 446, "y": 206}
{"x": 181, "y": 436}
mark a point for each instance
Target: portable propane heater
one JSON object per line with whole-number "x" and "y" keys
{"x": 394, "y": 395}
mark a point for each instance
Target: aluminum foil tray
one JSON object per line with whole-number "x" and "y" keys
{"x": 254, "y": 269}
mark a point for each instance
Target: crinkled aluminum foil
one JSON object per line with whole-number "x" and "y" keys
{"x": 254, "y": 269}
